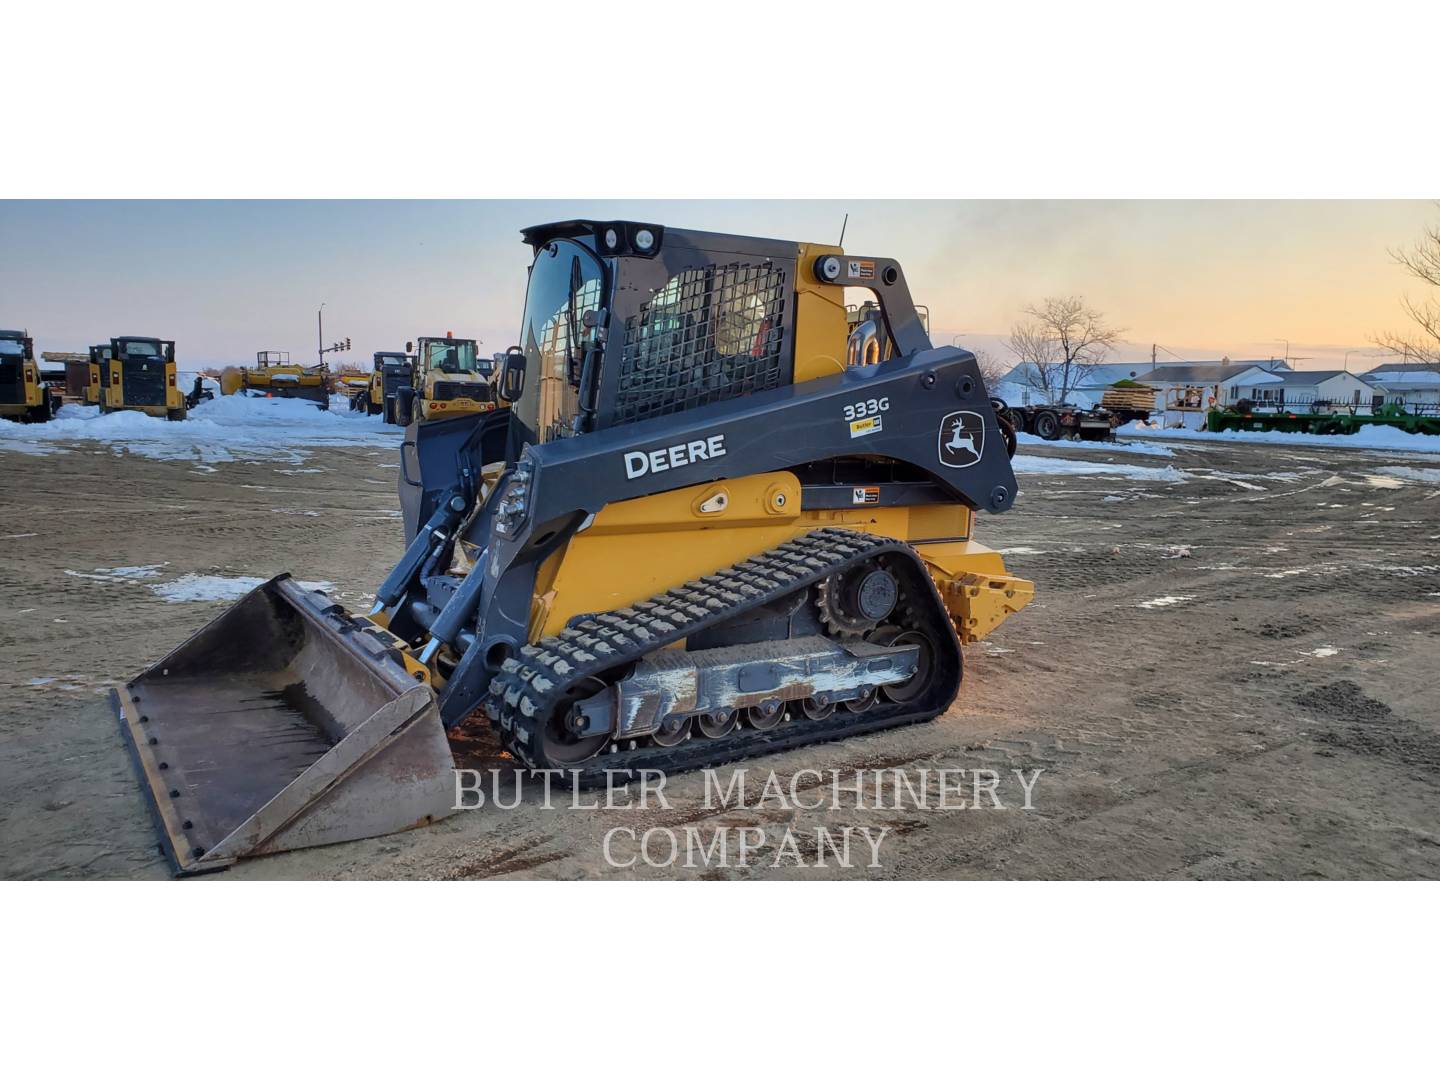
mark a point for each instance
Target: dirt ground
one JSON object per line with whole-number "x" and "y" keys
{"x": 1228, "y": 672}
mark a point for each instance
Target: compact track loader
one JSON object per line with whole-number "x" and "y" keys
{"x": 139, "y": 374}
{"x": 24, "y": 394}
{"x": 692, "y": 533}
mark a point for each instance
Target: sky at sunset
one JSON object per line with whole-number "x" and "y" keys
{"x": 224, "y": 279}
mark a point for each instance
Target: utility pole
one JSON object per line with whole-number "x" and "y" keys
{"x": 320, "y": 333}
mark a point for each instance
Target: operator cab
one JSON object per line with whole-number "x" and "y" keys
{"x": 15, "y": 345}
{"x": 452, "y": 356}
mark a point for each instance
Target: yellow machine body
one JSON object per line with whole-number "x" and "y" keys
{"x": 598, "y": 571}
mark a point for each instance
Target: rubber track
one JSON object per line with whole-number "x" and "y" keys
{"x": 528, "y": 688}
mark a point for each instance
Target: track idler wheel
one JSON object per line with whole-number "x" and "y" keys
{"x": 562, "y": 746}
{"x": 916, "y": 685}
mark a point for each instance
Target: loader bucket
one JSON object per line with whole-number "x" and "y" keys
{"x": 283, "y": 724}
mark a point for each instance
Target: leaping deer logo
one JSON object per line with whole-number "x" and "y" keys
{"x": 961, "y": 439}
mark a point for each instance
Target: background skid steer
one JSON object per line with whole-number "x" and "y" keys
{"x": 701, "y": 527}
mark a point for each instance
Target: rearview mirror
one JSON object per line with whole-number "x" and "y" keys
{"x": 512, "y": 374}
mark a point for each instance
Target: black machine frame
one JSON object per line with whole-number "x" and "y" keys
{"x": 948, "y": 449}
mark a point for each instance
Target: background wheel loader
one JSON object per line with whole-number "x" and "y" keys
{"x": 139, "y": 374}
{"x": 693, "y": 533}
{"x": 24, "y": 393}
{"x": 275, "y": 376}
{"x": 392, "y": 371}
{"x": 447, "y": 378}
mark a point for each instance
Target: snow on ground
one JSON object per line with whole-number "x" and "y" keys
{"x": 1029, "y": 464}
{"x": 187, "y": 586}
{"x": 1424, "y": 476}
{"x": 1370, "y": 438}
{"x": 230, "y": 428}
{"x": 1025, "y": 439}
{"x": 118, "y": 573}
{"x": 214, "y": 587}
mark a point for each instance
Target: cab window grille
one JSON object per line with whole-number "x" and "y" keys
{"x": 711, "y": 334}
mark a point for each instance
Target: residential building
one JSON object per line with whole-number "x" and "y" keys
{"x": 1415, "y": 386}
{"x": 1184, "y": 393}
{"x": 1308, "y": 391}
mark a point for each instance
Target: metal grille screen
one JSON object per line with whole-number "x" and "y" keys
{"x": 712, "y": 333}
{"x": 12, "y": 382}
{"x": 144, "y": 382}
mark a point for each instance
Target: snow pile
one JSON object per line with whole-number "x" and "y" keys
{"x": 212, "y": 587}
{"x": 1025, "y": 439}
{"x": 227, "y": 429}
{"x": 1028, "y": 464}
{"x": 1374, "y": 437}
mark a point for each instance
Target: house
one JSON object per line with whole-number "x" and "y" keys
{"x": 1411, "y": 385}
{"x": 1184, "y": 393}
{"x": 1309, "y": 391}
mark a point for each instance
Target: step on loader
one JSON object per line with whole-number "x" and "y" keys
{"x": 693, "y": 532}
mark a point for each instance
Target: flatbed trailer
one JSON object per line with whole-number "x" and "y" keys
{"x": 1063, "y": 421}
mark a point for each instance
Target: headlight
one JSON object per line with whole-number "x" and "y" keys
{"x": 514, "y": 503}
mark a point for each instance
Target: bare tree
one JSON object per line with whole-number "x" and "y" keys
{"x": 992, "y": 368}
{"x": 1420, "y": 260}
{"x": 1058, "y": 343}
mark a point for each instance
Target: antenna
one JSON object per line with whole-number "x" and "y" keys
{"x": 841, "y": 242}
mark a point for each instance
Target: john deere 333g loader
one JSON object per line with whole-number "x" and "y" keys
{"x": 692, "y": 533}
